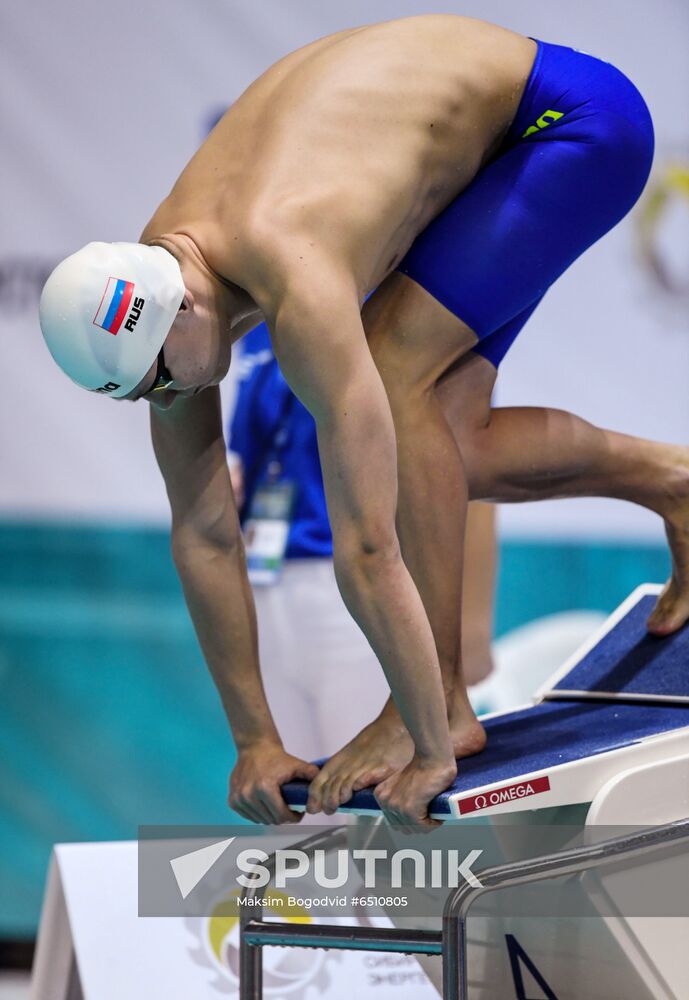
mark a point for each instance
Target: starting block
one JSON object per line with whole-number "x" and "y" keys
{"x": 620, "y": 703}
{"x": 608, "y": 732}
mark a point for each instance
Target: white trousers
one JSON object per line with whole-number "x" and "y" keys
{"x": 323, "y": 682}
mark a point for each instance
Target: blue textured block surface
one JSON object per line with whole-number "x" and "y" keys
{"x": 536, "y": 738}
{"x": 629, "y": 661}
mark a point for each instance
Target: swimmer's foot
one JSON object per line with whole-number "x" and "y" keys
{"x": 672, "y": 608}
{"x": 467, "y": 734}
{"x": 380, "y": 749}
{"x": 383, "y": 748}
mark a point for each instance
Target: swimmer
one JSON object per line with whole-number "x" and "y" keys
{"x": 454, "y": 169}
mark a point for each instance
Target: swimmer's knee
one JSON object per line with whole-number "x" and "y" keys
{"x": 404, "y": 375}
{"x": 465, "y": 395}
{"x": 469, "y": 426}
{"x": 408, "y": 372}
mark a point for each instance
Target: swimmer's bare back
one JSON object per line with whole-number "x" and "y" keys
{"x": 351, "y": 145}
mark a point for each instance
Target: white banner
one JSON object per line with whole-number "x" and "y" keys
{"x": 99, "y": 116}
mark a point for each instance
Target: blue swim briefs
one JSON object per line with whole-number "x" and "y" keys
{"x": 574, "y": 161}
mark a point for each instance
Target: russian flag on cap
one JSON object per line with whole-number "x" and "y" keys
{"x": 114, "y": 304}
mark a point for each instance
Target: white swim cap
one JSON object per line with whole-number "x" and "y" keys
{"x": 106, "y": 310}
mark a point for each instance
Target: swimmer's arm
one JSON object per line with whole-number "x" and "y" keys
{"x": 209, "y": 556}
{"x": 320, "y": 344}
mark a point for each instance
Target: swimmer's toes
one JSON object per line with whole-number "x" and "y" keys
{"x": 372, "y": 777}
{"x": 671, "y": 611}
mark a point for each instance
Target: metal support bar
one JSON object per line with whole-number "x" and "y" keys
{"x": 343, "y": 936}
{"x": 251, "y": 955}
{"x": 557, "y": 865}
{"x": 250, "y": 970}
{"x": 451, "y": 942}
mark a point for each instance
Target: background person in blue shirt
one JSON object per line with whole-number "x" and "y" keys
{"x": 265, "y": 405}
{"x": 321, "y": 676}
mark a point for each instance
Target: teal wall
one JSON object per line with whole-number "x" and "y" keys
{"x": 542, "y": 578}
{"x": 108, "y": 718}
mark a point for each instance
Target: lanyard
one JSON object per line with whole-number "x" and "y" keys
{"x": 276, "y": 438}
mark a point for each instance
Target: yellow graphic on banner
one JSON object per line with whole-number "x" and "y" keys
{"x": 666, "y": 202}
{"x": 288, "y": 973}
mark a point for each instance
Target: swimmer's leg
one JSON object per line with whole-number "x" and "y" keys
{"x": 480, "y": 544}
{"x": 478, "y": 592}
{"x": 414, "y": 340}
{"x": 432, "y": 502}
{"x": 505, "y": 455}
{"x": 515, "y": 454}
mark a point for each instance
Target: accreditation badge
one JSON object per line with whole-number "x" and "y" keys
{"x": 266, "y": 531}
